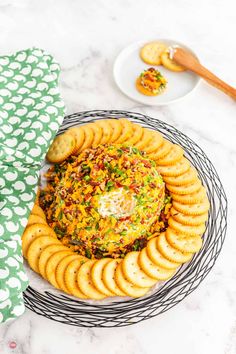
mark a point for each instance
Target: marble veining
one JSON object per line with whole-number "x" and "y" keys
{"x": 85, "y": 37}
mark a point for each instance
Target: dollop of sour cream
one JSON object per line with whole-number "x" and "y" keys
{"x": 119, "y": 203}
{"x": 172, "y": 50}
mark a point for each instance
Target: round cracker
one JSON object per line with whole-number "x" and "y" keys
{"x": 157, "y": 258}
{"x": 193, "y": 198}
{"x": 186, "y": 229}
{"x": 151, "y": 269}
{"x": 74, "y": 151}
{"x": 183, "y": 243}
{"x": 35, "y": 219}
{"x": 60, "y": 271}
{"x": 175, "y": 170}
{"x": 193, "y": 209}
{"x": 70, "y": 277}
{"x": 170, "y": 252}
{"x": 170, "y": 63}
{"x": 155, "y": 143}
{"x": 37, "y": 210}
{"x": 61, "y": 148}
{"x": 116, "y": 129}
{"x": 133, "y": 272}
{"x": 136, "y": 134}
{"x": 128, "y": 288}
{"x": 186, "y": 178}
{"x": 33, "y": 231}
{"x": 185, "y": 189}
{"x": 97, "y": 277}
{"x": 127, "y": 131}
{"x": 151, "y": 52}
{"x": 162, "y": 151}
{"x": 51, "y": 266}
{"x": 88, "y": 137}
{"x": 36, "y": 248}
{"x": 191, "y": 220}
{"x": 79, "y": 135}
{"x": 46, "y": 254}
{"x": 85, "y": 282}
{"x": 108, "y": 277}
{"x": 107, "y": 130}
{"x": 174, "y": 155}
{"x": 97, "y": 132}
{"x": 145, "y": 140}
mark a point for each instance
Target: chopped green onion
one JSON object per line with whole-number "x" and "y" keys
{"x": 87, "y": 253}
{"x": 135, "y": 150}
{"x": 88, "y": 228}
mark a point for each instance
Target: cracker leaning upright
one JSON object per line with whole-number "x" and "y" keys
{"x": 61, "y": 148}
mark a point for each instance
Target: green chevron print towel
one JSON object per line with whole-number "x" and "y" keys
{"x": 31, "y": 111}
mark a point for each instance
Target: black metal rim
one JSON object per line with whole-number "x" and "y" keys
{"x": 66, "y": 310}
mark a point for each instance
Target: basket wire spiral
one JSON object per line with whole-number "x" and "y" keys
{"x": 65, "y": 309}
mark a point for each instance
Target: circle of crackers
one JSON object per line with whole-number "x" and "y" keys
{"x": 137, "y": 272}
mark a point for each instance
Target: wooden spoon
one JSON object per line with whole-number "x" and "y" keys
{"x": 190, "y": 62}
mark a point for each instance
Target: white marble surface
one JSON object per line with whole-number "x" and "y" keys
{"x": 85, "y": 37}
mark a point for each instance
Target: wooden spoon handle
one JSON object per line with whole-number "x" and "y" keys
{"x": 214, "y": 80}
{"x": 190, "y": 62}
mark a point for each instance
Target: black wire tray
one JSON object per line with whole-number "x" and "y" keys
{"x": 65, "y": 309}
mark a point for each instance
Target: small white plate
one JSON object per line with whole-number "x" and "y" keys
{"x": 128, "y": 66}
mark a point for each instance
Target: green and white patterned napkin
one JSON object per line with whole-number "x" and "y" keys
{"x": 31, "y": 111}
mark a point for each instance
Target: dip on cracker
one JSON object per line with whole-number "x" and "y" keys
{"x": 151, "y": 82}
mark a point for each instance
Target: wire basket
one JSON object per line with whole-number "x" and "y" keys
{"x": 74, "y": 312}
